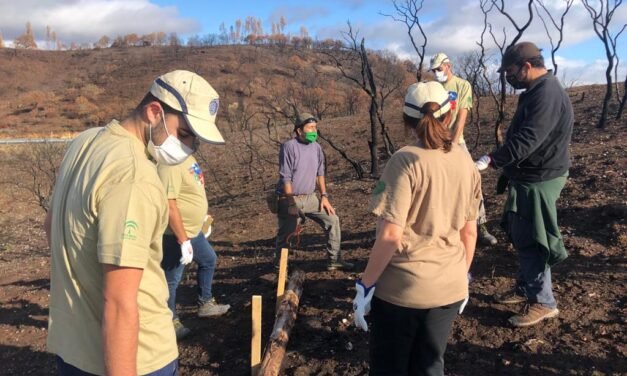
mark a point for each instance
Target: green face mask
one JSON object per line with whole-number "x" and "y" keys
{"x": 311, "y": 136}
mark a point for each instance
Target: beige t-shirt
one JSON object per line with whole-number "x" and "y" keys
{"x": 108, "y": 207}
{"x": 185, "y": 184}
{"x": 431, "y": 195}
{"x": 463, "y": 91}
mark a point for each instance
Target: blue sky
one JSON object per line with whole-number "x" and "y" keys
{"x": 452, "y": 26}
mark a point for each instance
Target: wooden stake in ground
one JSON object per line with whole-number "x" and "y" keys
{"x": 286, "y": 316}
{"x": 255, "y": 343}
{"x": 280, "y": 289}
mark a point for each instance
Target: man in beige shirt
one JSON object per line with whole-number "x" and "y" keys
{"x": 460, "y": 92}
{"x": 185, "y": 189}
{"x": 108, "y": 311}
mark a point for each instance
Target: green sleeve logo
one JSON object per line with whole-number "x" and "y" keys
{"x": 130, "y": 228}
{"x": 379, "y": 188}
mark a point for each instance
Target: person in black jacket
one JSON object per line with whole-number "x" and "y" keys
{"x": 535, "y": 159}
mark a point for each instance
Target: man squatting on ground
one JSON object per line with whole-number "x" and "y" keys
{"x": 108, "y": 293}
{"x": 535, "y": 158}
{"x": 301, "y": 169}
{"x": 184, "y": 240}
{"x": 461, "y": 102}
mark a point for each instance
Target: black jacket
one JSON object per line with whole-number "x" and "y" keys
{"x": 537, "y": 140}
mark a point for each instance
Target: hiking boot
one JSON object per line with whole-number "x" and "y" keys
{"x": 510, "y": 297}
{"x": 533, "y": 314}
{"x": 212, "y": 308}
{"x": 180, "y": 329}
{"x": 485, "y": 237}
{"x": 339, "y": 264}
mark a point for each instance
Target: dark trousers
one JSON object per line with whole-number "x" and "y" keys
{"x": 65, "y": 369}
{"x": 534, "y": 276}
{"x": 408, "y": 341}
{"x": 204, "y": 256}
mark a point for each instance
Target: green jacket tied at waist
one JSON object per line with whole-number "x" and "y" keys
{"x": 535, "y": 203}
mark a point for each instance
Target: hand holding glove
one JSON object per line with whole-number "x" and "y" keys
{"x": 206, "y": 226}
{"x": 361, "y": 304}
{"x": 187, "y": 252}
{"x": 483, "y": 162}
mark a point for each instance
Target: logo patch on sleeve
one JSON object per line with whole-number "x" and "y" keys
{"x": 379, "y": 188}
{"x": 130, "y": 229}
{"x": 196, "y": 172}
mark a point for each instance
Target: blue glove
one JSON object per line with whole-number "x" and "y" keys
{"x": 361, "y": 304}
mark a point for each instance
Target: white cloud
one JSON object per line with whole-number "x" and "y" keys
{"x": 88, "y": 20}
{"x": 457, "y": 27}
{"x": 581, "y": 72}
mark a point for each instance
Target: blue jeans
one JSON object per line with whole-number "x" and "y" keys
{"x": 204, "y": 256}
{"x": 65, "y": 369}
{"x": 534, "y": 276}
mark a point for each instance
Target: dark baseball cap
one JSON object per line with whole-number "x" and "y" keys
{"x": 304, "y": 119}
{"x": 518, "y": 54}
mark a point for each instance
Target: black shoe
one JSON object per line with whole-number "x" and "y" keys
{"x": 340, "y": 264}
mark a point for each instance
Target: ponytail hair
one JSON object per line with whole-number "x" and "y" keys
{"x": 431, "y": 131}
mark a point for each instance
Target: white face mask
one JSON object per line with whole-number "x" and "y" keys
{"x": 440, "y": 76}
{"x": 172, "y": 151}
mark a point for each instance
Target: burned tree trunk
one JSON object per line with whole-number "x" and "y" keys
{"x": 355, "y": 163}
{"x": 286, "y": 316}
{"x": 619, "y": 114}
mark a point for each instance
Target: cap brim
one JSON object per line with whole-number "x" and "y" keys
{"x": 206, "y": 130}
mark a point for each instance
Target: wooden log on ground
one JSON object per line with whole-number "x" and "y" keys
{"x": 272, "y": 361}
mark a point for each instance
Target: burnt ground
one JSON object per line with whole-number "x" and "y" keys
{"x": 588, "y": 337}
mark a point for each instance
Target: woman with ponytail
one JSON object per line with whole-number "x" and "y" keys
{"x": 416, "y": 278}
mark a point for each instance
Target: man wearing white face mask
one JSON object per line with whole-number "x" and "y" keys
{"x": 460, "y": 93}
{"x": 108, "y": 293}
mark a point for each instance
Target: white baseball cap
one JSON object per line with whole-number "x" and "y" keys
{"x": 424, "y": 92}
{"x": 194, "y": 97}
{"x": 438, "y": 60}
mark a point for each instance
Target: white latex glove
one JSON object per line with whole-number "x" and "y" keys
{"x": 187, "y": 252}
{"x": 207, "y": 226}
{"x": 461, "y": 308}
{"x": 361, "y": 304}
{"x": 483, "y": 162}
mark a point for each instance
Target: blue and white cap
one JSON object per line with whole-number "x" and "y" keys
{"x": 193, "y": 96}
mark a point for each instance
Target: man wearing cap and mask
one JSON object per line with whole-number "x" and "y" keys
{"x": 460, "y": 93}
{"x": 535, "y": 158}
{"x": 108, "y": 293}
{"x": 301, "y": 170}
